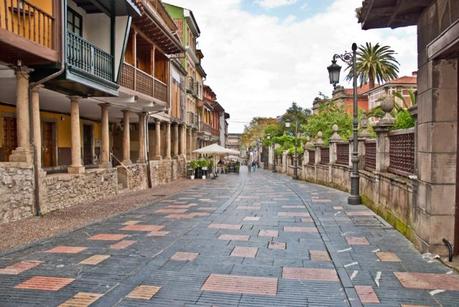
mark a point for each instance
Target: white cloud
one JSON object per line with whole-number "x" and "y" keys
{"x": 269, "y": 4}
{"x": 259, "y": 64}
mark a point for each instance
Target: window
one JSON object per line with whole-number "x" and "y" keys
{"x": 74, "y": 22}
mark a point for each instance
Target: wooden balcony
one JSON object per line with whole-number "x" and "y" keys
{"x": 27, "y": 32}
{"x": 205, "y": 128}
{"x": 138, "y": 80}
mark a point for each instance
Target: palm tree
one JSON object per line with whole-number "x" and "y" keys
{"x": 375, "y": 63}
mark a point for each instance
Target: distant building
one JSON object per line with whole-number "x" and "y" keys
{"x": 345, "y": 97}
{"x": 402, "y": 85}
{"x": 234, "y": 141}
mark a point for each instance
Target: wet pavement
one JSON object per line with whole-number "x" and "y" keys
{"x": 257, "y": 239}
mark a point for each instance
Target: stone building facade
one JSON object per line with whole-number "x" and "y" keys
{"x": 436, "y": 210}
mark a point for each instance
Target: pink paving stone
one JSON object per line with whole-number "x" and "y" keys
{"x": 19, "y": 267}
{"x": 242, "y": 251}
{"x": 171, "y": 211}
{"x": 307, "y": 220}
{"x": 276, "y": 245}
{"x": 146, "y": 228}
{"x": 409, "y": 305}
{"x": 367, "y": 295}
{"x": 181, "y": 206}
{"x": 300, "y": 229}
{"x": 227, "y": 237}
{"x": 428, "y": 281}
{"x": 293, "y": 214}
{"x": 319, "y": 255}
{"x": 309, "y": 274}
{"x": 387, "y": 257}
{"x": 360, "y": 213}
{"x": 225, "y": 226}
{"x": 108, "y": 236}
{"x": 292, "y": 207}
{"x": 184, "y": 256}
{"x": 241, "y": 284}
{"x": 131, "y": 222}
{"x": 252, "y": 218}
{"x": 338, "y": 208}
{"x": 45, "y": 283}
{"x": 122, "y": 244}
{"x": 206, "y": 209}
{"x": 158, "y": 234}
{"x": 268, "y": 233}
{"x": 66, "y": 250}
{"x": 357, "y": 241}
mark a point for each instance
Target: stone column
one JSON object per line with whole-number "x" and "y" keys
{"x": 318, "y": 145}
{"x": 158, "y": 140}
{"x": 105, "y": 150}
{"x": 190, "y": 143}
{"x": 142, "y": 138}
{"x": 168, "y": 140}
{"x": 176, "y": 141}
{"x": 23, "y": 152}
{"x": 382, "y": 129}
{"x": 36, "y": 123}
{"x": 334, "y": 140}
{"x": 126, "y": 138}
{"x": 182, "y": 142}
{"x": 76, "y": 167}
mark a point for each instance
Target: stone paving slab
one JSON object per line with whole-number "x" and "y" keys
{"x": 257, "y": 239}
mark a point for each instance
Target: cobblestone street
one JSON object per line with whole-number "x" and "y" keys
{"x": 254, "y": 239}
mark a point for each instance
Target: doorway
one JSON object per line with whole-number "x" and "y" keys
{"x": 49, "y": 144}
{"x": 10, "y": 142}
{"x": 87, "y": 145}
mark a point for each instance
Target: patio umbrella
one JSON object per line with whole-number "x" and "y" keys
{"x": 215, "y": 150}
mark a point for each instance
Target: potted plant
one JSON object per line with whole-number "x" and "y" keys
{"x": 204, "y": 166}
{"x": 193, "y": 166}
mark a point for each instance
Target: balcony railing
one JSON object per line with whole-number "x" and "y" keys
{"x": 28, "y": 21}
{"x": 87, "y": 57}
{"x": 138, "y": 80}
{"x": 192, "y": 119}
{"x": 205, "y": 128}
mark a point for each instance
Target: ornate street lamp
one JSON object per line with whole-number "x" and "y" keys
{"x": 295, "y": 156}
{"x": 334, "y": 74}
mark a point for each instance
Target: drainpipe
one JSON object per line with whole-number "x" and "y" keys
{"x": 37, "y": 209}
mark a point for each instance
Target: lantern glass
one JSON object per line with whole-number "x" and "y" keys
{"x": 334, "y": 71}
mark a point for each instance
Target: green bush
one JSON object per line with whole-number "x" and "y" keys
{"x": 403, "y": 120}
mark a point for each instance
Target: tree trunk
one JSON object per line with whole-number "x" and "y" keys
{"x": 371, "y": 82}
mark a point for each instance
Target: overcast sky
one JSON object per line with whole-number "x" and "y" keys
{"x": 260, "y": 55}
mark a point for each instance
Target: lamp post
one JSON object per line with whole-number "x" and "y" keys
{"x": 295, "y": 155}
{"x": 334, "y": 72}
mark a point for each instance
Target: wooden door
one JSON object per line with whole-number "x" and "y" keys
{"x": 87, "y": 145}
{"x": 10, "y": 141}
{"x": 48, "y": 147}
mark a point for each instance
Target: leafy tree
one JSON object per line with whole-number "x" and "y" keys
{"x": 256, "y": 130}
{"x": 375, "y": 63}
{"x": 328, "y": 115}
{"x": 296, "y": 113}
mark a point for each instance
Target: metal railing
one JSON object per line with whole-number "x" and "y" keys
{"x": 324, "y": 155}
{"x": 28, "y": 21}
{"x": 138, "y": 80}
{"x": 370, "y": 155}
{"x": 87, "y": 57}
{"x": 192, "y": 119}
{"x": 401, "y": 153}
{"x": 203, "y": 127}
{"x": 312, "y": 157}
{"x": 342, "y": 153}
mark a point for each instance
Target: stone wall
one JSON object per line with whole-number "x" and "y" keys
{"x": 135, "y": 176}
{"x": 389, "y": 195}
{"x": 16, "y": 192}
{"x": 66, "y": 190}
